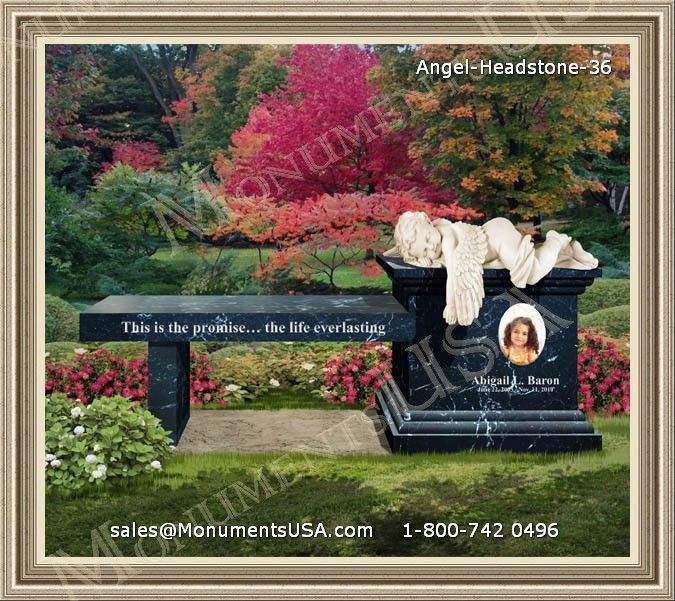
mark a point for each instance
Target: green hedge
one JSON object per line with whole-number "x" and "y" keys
{"x": 613, "y": 321}
{"x": 604, "y": 293}
{"x": 62, "y": 320}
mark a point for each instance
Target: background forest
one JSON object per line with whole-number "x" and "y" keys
{"x": 224, "y": 169}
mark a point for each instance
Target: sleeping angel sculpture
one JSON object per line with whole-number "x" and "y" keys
{"x": 465, "y": 250}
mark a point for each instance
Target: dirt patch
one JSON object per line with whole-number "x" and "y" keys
{"x": 322, "y": 431}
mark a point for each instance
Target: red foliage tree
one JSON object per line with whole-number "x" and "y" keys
{"x": 322, "y": 133}
{"x": 320, "y": 234}
{"x": 142, "y": 156}
{"x": 70, "y": 73}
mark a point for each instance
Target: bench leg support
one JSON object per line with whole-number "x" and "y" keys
{"x": 169, "y": 385}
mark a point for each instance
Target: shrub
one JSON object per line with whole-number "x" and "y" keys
{"x": 613, "y": 321}
{"x": 603, "y": 376}
{"x": 127, "y": 350}
{"x": 62, "y": 320}
{"x": 613, "y": 267}
{"x": 203, "y": 387}
{"x": 69, "y": 249}
{"x": 354, "y": 375}
{"x": 107, "y": 439}
{"x": 245, "y": 369}
{"x": 289, "y": 364}
{"x": 101, "y": 373}
{"x": 604, "y": 293}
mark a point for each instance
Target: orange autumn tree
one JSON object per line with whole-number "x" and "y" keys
{"x": 509, "y": 144}
{"x": 320, "y": 234}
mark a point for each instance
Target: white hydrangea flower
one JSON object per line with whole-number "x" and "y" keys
{"x": 97, "y": 447}
{"x": 76, "y": 412}
{"x": 77, "y": 430}
{"x": 232, "y": 387}
{"x": 55, "y": 463}
{"x": 308, "y": 366}
{"x": 50, "y": 457}
{"x": 79, "y": 351}
{"x": 312, "y": 380}
{"x": 101, "y": 468}
{"x": 91, "y": 459}
{"x": 274, "y": 382}
{"x": 155, "y": 465}
{"x": 96, "y": 474}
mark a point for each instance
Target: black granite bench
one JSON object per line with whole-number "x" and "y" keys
{"x": 169, "y": 323}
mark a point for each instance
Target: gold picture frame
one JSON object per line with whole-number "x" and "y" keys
{"x": 26, "y": 573}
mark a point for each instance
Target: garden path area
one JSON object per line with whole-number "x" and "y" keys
{"x": 309, "y": 430}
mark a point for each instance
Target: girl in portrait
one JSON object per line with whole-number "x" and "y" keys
{"x": 521, "y": 344}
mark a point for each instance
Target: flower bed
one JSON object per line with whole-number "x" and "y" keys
{"x": 354, "y": 375}
{"x": 103, "y": 374}
{"x": 349, "y": 376}
{"x": 603, "y": 376}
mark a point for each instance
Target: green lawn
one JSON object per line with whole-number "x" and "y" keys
{"x": 280, "y": 398}
{"x": 587, "y": 494}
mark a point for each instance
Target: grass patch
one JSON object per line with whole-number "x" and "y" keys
{"x": 613, "y": 321}
{"x": 603, "y": 294}
{"x": 281, "y": 398}
{"x": 587, "y": 494}
{"x": 346, "y": 276}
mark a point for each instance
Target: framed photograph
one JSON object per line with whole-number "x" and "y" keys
{"x": 337, "y": 300}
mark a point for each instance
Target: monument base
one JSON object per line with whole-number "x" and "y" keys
{"x": 546, "y": 431}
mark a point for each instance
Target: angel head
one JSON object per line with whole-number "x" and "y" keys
{"x": 417, "y": 240}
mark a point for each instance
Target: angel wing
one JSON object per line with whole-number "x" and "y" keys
{"x": 468, "y": 258}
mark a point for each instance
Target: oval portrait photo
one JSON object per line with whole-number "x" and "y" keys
{"x": 522, "y": 334}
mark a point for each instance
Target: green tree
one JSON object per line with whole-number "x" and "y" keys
{"x": 70, "y": 250}
{"x": 612, "y": 168}
{"x": 71, "y": 71}
{"x": 123, "y": 208}
{"x": 121, "y": 106}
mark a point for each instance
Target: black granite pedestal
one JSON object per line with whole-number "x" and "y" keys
{"x": 453, "y": 388}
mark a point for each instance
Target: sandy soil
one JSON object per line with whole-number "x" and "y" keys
{"x": 322, "y": 431}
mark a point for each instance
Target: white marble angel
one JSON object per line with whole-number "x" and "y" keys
{"x": 465, "y": 250}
